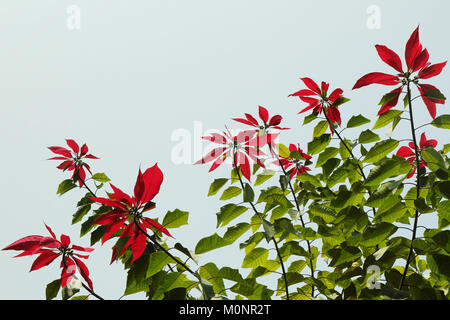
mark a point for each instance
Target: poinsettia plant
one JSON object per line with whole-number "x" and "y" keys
{"x": 336, "y": 217}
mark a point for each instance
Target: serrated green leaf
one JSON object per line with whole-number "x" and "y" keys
{"x": 230, "y": 192}
{"x": 367, "y": 136}
{"x": 434, "y": 94}
{"x": 255, "y": 258}
{"x": 320, "y": 128}
{"x": 249, "y": 194}
{"x": 264, "y": 176}
{"x": 434, "y": 159}
{"x": 175, "y": 219}
{"x": 65, "y": 186}
{"x": 377, "y": 234}
{"x": 216, "y": 186}
{"x": 309, "y": 118}
{"x": 228, "y": 213}
{"x": 386, "y": 118}
{"x": 380, "y": 150}
{"x": 158, "y": 260}
{"x": 52, "y": 289}
{"x": 319, "y": 144}
{"x": 356, "y": 121}
{"x": 326, "y": 154}
{"x": 101, "y": 177}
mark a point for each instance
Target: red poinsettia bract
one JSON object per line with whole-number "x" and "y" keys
{"x": 416, "y": 59}
{"x": 264, "y": 116}
{"x": 410, "y": 155}
{"x": 294, "y": 166}
{"x": 50, "y": 248}
{"x": 246, "y": 144}
{"x": 125, "y": 208}
{"x": 73, "y": 160}
{"x": 319, "y": 100}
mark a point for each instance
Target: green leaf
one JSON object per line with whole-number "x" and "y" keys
{"x": 136, "y": 275}
{"x": 269, "y": 230}
{"x": 356, "y": 121}
{"x": 65, "y": 186}
{"x": 158, "y": 260}
{"x": 380, "y": 150}
{"x": 345, "y": 254}
{"x": 175, "y": 219}
{"x": 439, "y": 264}
{"x": 81, "y": 212}
{"x": 310, "y": 118}
{"x": 101, "y": 177}
{"x": 210, "y": 243}
{"x": 320, "y": 128}
{"x": 326, "y": 213}
{"x": 171, "y": 281}
{"x": 283, "y": 151}
{"x": 444, "y": 188}
{"x": 387, "y": 97}
{"x": 375, "y": 235}
{"x": 442, "y": 239}
{"x": 255, "y": 258}
{"x": 284, "y": 182}
{"x": 80, "y": 298}
{"x": 387, "y": 169}
{"x": 186, "y": 251}
{"x": 264, "y": 176}
{"x": 339, "y": 101}
{"x": 231, "y": 192}
{"x": 318, "y": 144}
{"x": 434, "y": 94}
{"x": 434, "y": 159}
{"x": 328, "y": 153}
{"x": 367, "y": 136}
{"x": 338, "y": 176}
{"x": 249, "y": 194}
{"x": 386, "y": 118}
{"x": 209, "y": 272}
{"x": 228, "y": 213}
{"x": 52, "y": 289}
{"x": 443, "y": 121}
{"x": 233, "y": 233}
{"x": 216, "y": 185}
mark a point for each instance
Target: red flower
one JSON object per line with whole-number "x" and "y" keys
{"x": 298, "y": 167}
{"x": 416, "y": 59}
{"x": 264, "y": 116}
{"x": 245, "y": 143}
{"x": 73, "y": 160}
{"x": 50, "y": 248}
{"x": 124, "y": 207}
{"x": 410, "y": 155}
{"x": 319, "y": 101}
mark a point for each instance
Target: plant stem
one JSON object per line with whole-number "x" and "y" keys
{"x": 259, "y": 215}
{"x": 76, "y": 278}
{"x": 136, "y": 222}
{"x": 311, "y": 266}
{"x": 83, "y": 183}
{"x": 416, "y": 217}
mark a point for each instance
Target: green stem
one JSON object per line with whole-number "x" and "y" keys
{"x": 311, "y": 265}
{"x": 416, "y": 216}
{"x": 136, "y": 222}
{"x": 262, "y": 219}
